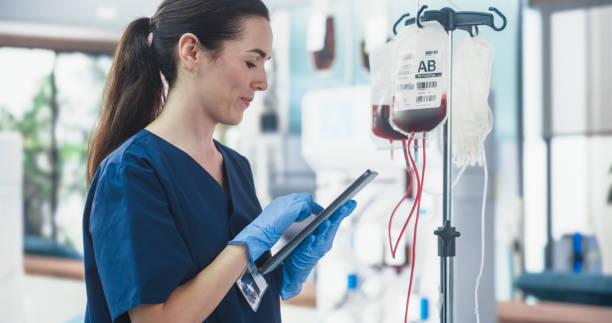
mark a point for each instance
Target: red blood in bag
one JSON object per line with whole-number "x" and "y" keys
{"x": 419, "y": 120}
{"x": 381, "y": 126}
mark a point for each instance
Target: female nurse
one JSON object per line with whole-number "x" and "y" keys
{"x": 172, "y": 219}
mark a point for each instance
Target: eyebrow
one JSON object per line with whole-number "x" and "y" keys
{"x": 260, "y": 52}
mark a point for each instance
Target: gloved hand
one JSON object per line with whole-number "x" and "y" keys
{"x": 308, "y": 253}
{"x": 261, "y": 234}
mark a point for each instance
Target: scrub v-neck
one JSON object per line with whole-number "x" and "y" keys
{"x": 227, "y": 191}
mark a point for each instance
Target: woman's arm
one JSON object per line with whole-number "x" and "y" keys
{"x": 194, "y": 300}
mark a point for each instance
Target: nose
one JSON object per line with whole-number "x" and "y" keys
{"x": 260, "y": 82}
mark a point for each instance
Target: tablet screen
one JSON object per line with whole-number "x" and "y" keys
{"x": 279, "y": 257}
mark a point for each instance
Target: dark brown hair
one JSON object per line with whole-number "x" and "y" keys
{"x": 134, "y": 91}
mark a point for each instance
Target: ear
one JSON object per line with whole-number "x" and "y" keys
{"x": 189, "y": 52}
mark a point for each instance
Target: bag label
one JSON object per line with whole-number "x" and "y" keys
{"x": 419, "y": 73}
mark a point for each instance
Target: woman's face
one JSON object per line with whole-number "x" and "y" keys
{"x": 228, "y": 84}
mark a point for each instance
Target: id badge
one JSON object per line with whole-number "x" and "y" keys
{"x": 252, "y": 285}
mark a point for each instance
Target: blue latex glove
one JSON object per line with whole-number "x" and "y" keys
{"x": 308, "y": 253}
{"x": 263, "y": 232}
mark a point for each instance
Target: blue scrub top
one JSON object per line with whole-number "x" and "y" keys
{"x": 154, "y": 218}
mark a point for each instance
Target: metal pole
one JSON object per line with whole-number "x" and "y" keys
{"x": 520, "y": 138}
{"x": 547, "y": 127}
{"x": 446, "y": 263}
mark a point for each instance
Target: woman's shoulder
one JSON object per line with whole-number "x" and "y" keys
{"x": 131, "y": 164}
{"x": 138, "y": 150}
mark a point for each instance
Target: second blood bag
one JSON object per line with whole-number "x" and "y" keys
{"x": 382, "y": 97}
{"x": 420, "y": 71}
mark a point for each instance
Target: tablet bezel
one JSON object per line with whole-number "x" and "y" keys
{"x": 286, "y": 250}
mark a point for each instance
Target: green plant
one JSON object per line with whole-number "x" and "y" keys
{"x": 34, "y": 128}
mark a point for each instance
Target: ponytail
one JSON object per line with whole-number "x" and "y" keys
{"x": 132, "y": 95}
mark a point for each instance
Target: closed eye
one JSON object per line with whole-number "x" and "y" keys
{"x": 250, "y": 65}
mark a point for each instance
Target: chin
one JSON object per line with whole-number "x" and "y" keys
{"x": 234, "y": 121}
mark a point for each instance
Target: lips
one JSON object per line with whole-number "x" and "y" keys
{"x": 246, "y": 101}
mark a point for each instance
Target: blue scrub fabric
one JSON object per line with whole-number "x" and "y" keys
{"x": 154, "y": 218}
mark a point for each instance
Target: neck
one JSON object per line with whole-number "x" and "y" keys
{"x": 184, "y": 124}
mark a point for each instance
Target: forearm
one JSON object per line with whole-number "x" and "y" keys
{"x": 194, "y": 300}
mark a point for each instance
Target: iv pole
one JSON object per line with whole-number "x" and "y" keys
{"x": 446, "y": 262}
{"x": 450, "y": 20}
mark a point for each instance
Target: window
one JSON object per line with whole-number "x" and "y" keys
{"x": 53, "y": 102}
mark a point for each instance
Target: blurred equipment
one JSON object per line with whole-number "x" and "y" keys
{"x": 11, "y": 230}
{"x": 592, "y": 289}
{"x": 353, "y": 282}
{"x": 577, "y": 253}
{"x": 584, "y": 114}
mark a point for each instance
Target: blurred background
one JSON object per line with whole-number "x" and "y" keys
{"x": 549, "y": 201}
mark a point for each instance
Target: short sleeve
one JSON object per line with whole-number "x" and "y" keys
{"x": 140, "y": 255}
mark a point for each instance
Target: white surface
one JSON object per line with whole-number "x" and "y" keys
{"x": 581, "y": 47}
{"x": 569, "y": 75}
{"x": 298, "y": 314}
{"x": 600, "y": 69}
{"x": 53, "y": 300}
{"x": 11, "y": 299}
{"x": 11, "y": 254}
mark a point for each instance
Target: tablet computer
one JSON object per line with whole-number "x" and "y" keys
{"x": 279, "y": 257}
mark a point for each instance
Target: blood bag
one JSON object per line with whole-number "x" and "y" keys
{"x": 384, "y": 136}
{"x": 420, "y": 68}
{"x": 380, "y": 123}
{"x": 421, "y": 119}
